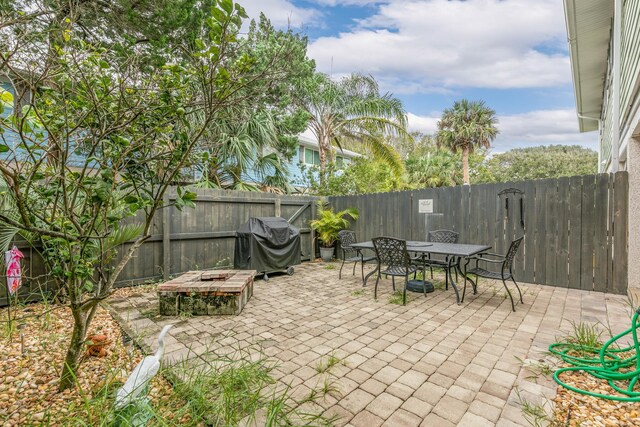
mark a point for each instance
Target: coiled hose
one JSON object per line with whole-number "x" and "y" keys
{"x": 607, "y": 365}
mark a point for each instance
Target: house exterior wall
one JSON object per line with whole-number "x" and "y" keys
{"x": 633, "y": 167}
{"x": 629, "y": 86}
{"x": 629, "y": 57}
{"x": 629, "y": 125}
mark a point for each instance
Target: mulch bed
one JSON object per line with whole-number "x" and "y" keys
{"x": 575, "y": 409}
{"x": 29, "y": 381}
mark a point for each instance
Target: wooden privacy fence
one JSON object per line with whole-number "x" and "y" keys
{"x": 575, "y": 229}
{"x": 198, "y": 238}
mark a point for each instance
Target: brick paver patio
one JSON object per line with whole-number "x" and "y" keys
{"x": 429, "y": 363}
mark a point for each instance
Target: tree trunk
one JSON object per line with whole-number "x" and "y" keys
{"x": 74, "y": 351}
{"x": 323, "y": 142}
{"x": 465, "y": 165}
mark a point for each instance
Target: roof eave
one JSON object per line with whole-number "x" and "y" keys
{"x": 588, "y": 30}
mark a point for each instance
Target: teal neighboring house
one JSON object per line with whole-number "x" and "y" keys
{"x": 20, "y": 97}
{"x": 309, "y": 156}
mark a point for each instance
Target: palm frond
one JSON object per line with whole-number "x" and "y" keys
{"x": 124, "y": 233}
{"x": 8, "y": 233}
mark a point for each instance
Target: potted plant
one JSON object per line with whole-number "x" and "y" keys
{"x": 328, "y": 225}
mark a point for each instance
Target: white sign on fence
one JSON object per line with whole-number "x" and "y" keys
{"x": 425, "y": 206}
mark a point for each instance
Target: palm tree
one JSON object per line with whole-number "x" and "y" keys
{"x": 243, "y": 152}
{"x": 352, "y": 111}
{"x": 465, "y": 127}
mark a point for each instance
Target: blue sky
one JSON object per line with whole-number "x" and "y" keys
{"x": 429, "y": 53}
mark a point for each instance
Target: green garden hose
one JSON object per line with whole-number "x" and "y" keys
{"x": 607, "y": 365}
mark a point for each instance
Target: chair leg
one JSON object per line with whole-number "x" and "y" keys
{"x": 375, "y": 288}
{"x": 393, "y": 282}
{"x": 446, "y": 279}
{"x": 362, "y": 271}
{"x": 518, "y": 288}
{"x": 404, "y": 293}
{"x": 431, "y": 271}
{"x": 473, "y": 285}
{"x": 340, "y": 273}
{"x": 513, "y": 306}
{"x": 353, "y": 273}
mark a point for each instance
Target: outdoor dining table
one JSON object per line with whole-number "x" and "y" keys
{"x": 454, "y": 252}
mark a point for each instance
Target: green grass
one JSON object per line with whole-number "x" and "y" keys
{"x": 330, "y": 266}
{"x": 151, "y": 313}
{"x": 536, "y": 369}
{"x": 585, "y": 334}
{"x": 536, "y": 414}
{"x": 396, "y": 298}
{"x": 326, "y": 366}
{"x": 358, "y": 292}
{"x": 215, "y": 390}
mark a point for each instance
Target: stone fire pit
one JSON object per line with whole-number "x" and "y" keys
{"x": 206, "y": 292}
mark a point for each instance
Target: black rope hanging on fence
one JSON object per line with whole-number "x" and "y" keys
{"x": 516, "y": 193}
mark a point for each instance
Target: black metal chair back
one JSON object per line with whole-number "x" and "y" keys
{"x": 391, "y": 251}
{"x": 347, "y": 238}
{"x": 443, "y": 236}
{"x": 511, "y": 254}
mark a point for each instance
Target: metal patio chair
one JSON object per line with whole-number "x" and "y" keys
{"x": 505, "y": 272}
{"x": 350, "y": 254}
{"x": 424, "y": 261}
{"x": 392, "y": 253}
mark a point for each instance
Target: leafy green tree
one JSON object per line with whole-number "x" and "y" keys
{"x": 101, "y": 139}
{"x": 352, "y": 110}
{"x": 552, "y": 161}
{"x": 466, "y": 126}
{"x": 431, "y": 166}
{"x": 247, "y": 148}
{"x": 361, "y": 176}
{"x": 232, "y": 158}
{"x": 149, "y": 26}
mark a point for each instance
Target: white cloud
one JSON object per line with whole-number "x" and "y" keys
{"x": 541, "y": 127}
{"x": 424, "y": 124}
{"x": 419, "y": 46}
{"x": 283, "y": 13}
{"x": 350, "y": 2}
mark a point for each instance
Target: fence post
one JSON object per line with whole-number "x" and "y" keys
{"x": 166, "y": 238}
{"x": 278, "y": 206}
{"x": 313, "y": 233}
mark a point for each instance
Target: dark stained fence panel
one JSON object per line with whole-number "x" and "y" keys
{"x": 562, "y": 232}
{"x": 588, "y": 230}
{"x": 198, "y": 238}
{"x": 620, "y": 226}
{"x": 575, "y": 228}
{"x": 575, "y": 233}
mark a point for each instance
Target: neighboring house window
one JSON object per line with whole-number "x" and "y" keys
{"x": 311, "y": 157}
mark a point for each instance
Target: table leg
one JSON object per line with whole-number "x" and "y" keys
{"x": 450, "y": 265}
{"x": 375, "y": 270}
{"x": 463, "y": 272}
